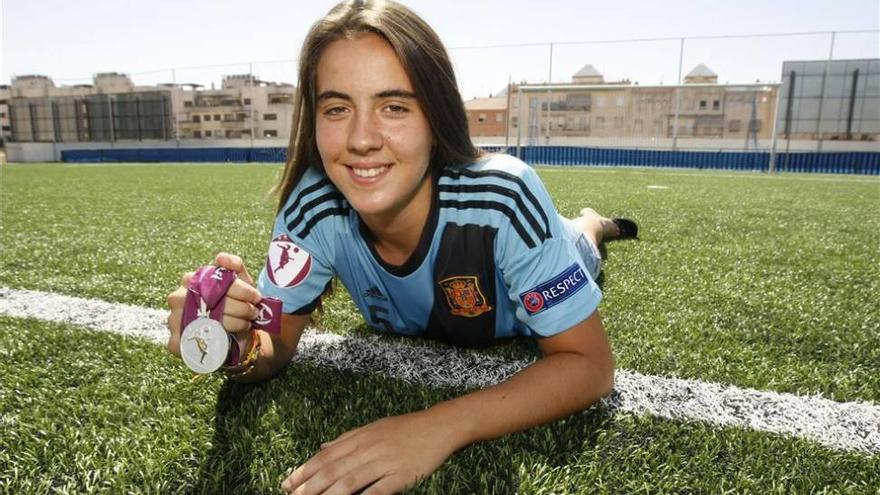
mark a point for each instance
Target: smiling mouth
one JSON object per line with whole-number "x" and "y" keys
{"x": 369, "y": 173}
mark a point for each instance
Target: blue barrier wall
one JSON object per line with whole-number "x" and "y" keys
{"x": 861, "y": 162}
{"x": 212, "y": 155}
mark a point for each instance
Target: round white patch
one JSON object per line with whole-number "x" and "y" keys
{"x": 287, "y": 264}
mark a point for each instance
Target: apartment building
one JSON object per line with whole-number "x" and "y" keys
{"x": 487, "y": 116}
{"x": 590, "y": 107}
{"x": 114, "y": 109}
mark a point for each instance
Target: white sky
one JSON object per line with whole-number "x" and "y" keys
{"x": 70, "y": 40}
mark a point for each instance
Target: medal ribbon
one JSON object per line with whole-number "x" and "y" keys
{"x": 206, "y": 296}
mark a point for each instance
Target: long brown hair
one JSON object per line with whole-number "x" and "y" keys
{"x": 423, "y": 58}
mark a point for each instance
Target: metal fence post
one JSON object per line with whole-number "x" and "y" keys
{"x": 110, "y": 109}
{"x": 519, "y": 120}
{"x": 175, "y": 92}
{"x": 677, "y": 98}
{"x": 549, "y": 91}
{"x": 822, "y": 93}
{"x": 771, "y": 165}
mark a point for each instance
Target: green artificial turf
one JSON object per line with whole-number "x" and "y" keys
{"x": 750, "y": 279}
{"x": 88, "y": 412}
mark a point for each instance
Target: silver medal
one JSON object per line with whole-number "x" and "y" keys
{"x": 204, "y": 345}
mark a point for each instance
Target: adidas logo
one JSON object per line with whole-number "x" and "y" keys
{"x": 375, "y": 293}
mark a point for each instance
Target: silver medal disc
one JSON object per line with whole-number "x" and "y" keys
{"x": 204, "y": 345}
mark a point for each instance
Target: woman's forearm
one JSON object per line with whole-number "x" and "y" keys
{"x": 552, "y": 388}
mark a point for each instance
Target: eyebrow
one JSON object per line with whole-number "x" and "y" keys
{"x": 388, "y": 93}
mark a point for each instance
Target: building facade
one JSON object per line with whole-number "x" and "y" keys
{"x": 113, "y": 109}
{"x": 589, "y": 109}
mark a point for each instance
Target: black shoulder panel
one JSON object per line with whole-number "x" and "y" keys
{"x": 464, "y": 287}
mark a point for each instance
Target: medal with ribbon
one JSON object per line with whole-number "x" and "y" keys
{"x": 205, "y": 345}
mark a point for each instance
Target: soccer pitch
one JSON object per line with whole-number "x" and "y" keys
{"x": 749, "y": 280}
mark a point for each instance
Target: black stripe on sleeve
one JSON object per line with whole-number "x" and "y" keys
{"x": 503, "y": 191}
{"x": 334, "y": 197}
{"x": 305, "y": 192}
{"x": 340, "y": 211}
{"x": 492, "y": 205}
{"x": 472, "y": 174}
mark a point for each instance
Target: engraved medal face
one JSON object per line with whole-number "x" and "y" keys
{"x": 204, "y": 345}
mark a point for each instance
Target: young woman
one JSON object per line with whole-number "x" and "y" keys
{"x": 384, "y": 189}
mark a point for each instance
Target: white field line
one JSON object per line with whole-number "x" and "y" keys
{"x": 851, "y": 426}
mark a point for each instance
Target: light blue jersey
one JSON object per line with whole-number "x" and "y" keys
{"x": 494, "y": 260}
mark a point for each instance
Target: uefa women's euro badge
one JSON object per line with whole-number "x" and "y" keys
{"x": 204, "y": 345}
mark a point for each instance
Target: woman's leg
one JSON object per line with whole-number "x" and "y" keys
{"x": 596, "y": 227}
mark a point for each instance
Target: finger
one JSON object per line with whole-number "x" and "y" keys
{"x": 234, "y": 263}
{"x": 176, "y": 299}
{"x": 244, "y": 292}
{"x": 236, "y": 325}
{"x": 342, "y": 437}
{"x": 240, "y": 309}
{"x": 387, "y": 486}
{"x": 313, "y": 466}
{"x": 356, "y": 479}
{"x": 173, "y": 344}
{"x": 330, "y": 474}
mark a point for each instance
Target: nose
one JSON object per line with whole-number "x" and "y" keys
{"x": 364, "y": 135}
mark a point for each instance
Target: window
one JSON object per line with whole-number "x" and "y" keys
{"x": 187, "y": 104}
{"x": 198, "y": 134}
{"x": 196, "y": 119}
{"x": 217, "y": 116}
{"x": 207, "y": 133}
{"x": 600, "y": 101}
{"x": 481, "y": 117}
{"x": 270, "y": 116}
{"x": 2, "y": 115}
{"x": 620, "y": 101}
{"x": 600, "y": 122}
{"x": 207, "y": 118}
{"x": 716, "y": 104}
{"x": 270, "y": 133}
{"x": 247, "y": 101}
{"x": 702, "y": 104}
{"x": 232, "y": 134}
{"x": 499, "y": 118}
{"x": 245, "y": 132}
{"x": 734, "y": 126}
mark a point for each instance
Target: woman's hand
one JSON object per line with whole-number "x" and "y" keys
{"x": 387, "y": 456}
{"x": 240, "y": 307}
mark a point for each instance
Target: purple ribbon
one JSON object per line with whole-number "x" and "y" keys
{"x": 210, "y": 284}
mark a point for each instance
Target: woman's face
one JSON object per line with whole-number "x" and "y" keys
{"x": 372, "y": 136}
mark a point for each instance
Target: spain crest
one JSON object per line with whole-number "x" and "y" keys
{"x": 464, "y": 296}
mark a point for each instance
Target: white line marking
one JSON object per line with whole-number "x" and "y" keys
{"x": 653, "y": 186}
{"x": 851, "y": 426}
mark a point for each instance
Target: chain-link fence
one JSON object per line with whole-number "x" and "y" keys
{"x": 686, "y": 93}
